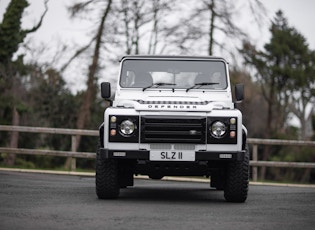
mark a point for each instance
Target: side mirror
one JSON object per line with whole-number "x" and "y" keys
{"x": 239, "y": 92}
{"x": 105, "y": 90}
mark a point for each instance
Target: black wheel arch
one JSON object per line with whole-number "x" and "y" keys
{"x": 244, "y": 139}
{"x": 101, "y": 134}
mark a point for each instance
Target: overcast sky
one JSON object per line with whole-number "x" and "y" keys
{"x": 300, "y": 14}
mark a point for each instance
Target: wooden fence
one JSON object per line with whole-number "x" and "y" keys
{"x": 73, "y": 154}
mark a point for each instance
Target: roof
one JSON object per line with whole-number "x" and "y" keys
{"x": 182, "y": 57}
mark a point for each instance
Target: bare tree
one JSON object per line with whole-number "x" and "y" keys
{"x": 135, "y": 15}
{"x": 214, "y": 21}
{"x": 144, "y": 28}
{"x": 89, "y": 95}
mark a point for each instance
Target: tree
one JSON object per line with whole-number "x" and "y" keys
{"x": 301, "y": 91}
{"x": 52, "y": 103}
{"x": 89, "y": 95}
{"x": 134, "y": 17}
{"x": 253, "y": 103}
{"x": 143, "y": 21}
{"x": 212, "y": 22}
{"x": 11, "y": 36}
{"x": 285, "y": 72}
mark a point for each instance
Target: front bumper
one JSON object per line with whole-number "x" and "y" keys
{"x": 145, "y": 155}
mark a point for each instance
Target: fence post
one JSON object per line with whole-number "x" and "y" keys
{"x": 255, "y": 158}
{"x": 73, "y": 149}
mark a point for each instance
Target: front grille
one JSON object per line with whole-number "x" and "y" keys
{"x": 157, "y": 129}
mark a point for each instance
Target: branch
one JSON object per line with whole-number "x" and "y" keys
{"x": 77, "y": 53}
{"x": 259, "y": 15}
{"x": 78, "y": 7}
{"x": 40, "y": 21}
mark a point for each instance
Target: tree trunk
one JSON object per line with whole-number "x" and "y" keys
{"x": 267, "y": 149}
{"x": 90, "y": 93}
{"x": 211, "y": 29}
{"x": 154, "y": 33}
{"x": 136, "y": 36}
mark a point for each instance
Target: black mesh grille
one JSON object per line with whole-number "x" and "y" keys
{"x": 173, "y": 129}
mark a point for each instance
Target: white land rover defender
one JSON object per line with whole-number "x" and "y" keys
{"x": 173, "y": 116}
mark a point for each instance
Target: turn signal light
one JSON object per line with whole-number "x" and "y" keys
{"x": 113, "y": 132}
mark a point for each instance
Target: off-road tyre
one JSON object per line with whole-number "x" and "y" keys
{"x": 237, "y": 180}
{"x": 106, "y": 179}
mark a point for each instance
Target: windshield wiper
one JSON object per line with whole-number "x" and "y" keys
{"x": 157, "y": 85}
{"x": 201, "y": 84}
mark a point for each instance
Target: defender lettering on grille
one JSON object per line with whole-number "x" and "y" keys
{"x": 167, "y": 106}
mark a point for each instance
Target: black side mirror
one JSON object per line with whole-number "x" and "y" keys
{"x": 239, "y": 92}
{"x": 105, "y": 90}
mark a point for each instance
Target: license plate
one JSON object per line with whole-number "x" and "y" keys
{"x": 170, "y": 155}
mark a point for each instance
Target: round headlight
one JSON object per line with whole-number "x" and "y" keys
{"x": 127, "y": 127}
{"x": 218, "y": 129}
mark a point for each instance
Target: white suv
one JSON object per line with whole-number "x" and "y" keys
{"x": 173, "y": 116}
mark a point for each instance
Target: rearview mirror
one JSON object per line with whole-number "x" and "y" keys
{"x": 105, "y": 90}
{"x": 239, "y": 92}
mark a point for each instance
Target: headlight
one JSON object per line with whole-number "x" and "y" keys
{"x": 127, "y": 127}
{"x": 218, "y": 129}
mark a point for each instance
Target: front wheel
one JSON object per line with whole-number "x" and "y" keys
{"x": 237, "y": 180}
{"x": 106, "y": 178}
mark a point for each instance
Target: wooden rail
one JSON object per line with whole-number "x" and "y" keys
{"x": 73, "y": 154}
{"x": 254, "y": 163}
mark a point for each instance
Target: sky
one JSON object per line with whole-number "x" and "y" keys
{"x": 300, "y": 14}
{"x": 57, "y": 24}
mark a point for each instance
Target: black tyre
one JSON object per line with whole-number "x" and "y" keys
{"x": 106, "y": 179}
{"x": 237, "y": 180}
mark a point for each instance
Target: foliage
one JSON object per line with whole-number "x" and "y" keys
{"x": 11, "y": 34}
{"x": 285, "y": 72}
{"x": 253, "y": 103}
{"x": 291, "y": 154}
{"x": 12, "y": 72}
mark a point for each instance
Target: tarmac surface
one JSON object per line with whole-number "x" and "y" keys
{"x": 47, "y": 201}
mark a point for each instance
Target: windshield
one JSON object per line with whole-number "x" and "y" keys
{"x": 173, "y": 74}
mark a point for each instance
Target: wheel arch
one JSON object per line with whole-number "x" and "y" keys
{"x": 244, "y": 137}
{"x": 101, "y": 134}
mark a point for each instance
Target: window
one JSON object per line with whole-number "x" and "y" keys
{"x": 173, "y": 74}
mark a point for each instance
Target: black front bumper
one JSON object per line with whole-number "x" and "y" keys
{"x": 145, "y": 155}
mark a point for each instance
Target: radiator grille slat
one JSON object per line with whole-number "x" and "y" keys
{"x": 173, "y": 129}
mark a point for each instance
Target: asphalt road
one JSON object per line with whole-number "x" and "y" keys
{"x": 41, "y": 201}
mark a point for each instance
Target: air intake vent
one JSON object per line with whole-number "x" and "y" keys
{"x": 157, "y": 129}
